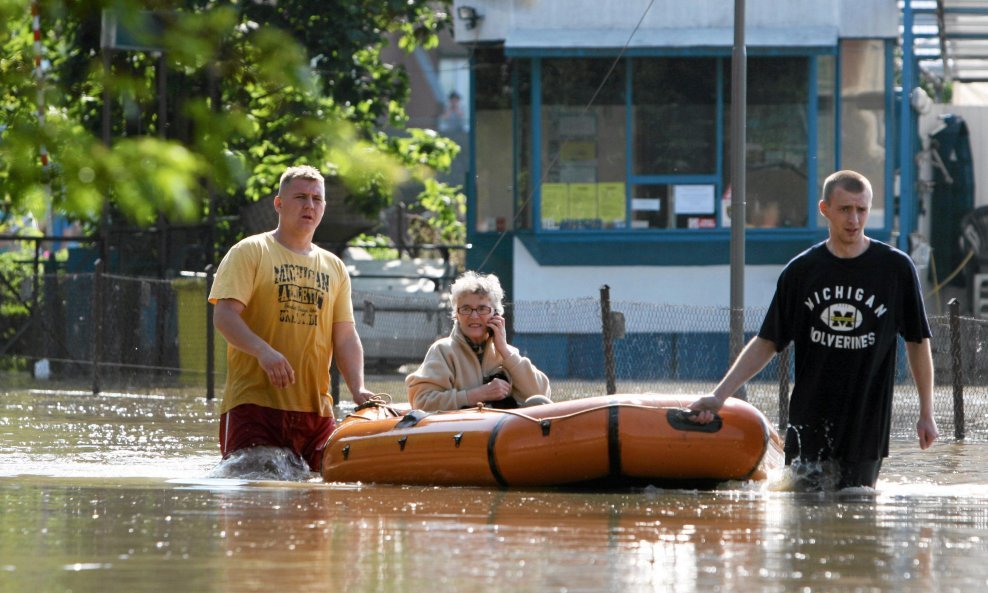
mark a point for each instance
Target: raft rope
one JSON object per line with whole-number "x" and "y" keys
{"x": 378, "y": 400}
{"x": 384, "y": 400}
{"x": 482, "y": 408}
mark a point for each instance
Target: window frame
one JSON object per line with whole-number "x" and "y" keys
{"x": 722, "y": 56}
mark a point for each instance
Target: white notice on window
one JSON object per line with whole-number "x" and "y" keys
{"x": 693, "y": 199}
{"x": 648, "y": 204}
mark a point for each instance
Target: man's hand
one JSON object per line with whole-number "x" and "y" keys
{"x": 705, "y": 407}
{"x": 362, "y": 396}
{"x": 279, "y": 370}
{"x": 927, "y": 431}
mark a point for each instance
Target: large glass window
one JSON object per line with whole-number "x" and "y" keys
{"x": 454, "y": 80}
{"x": 634, "y": 144}
{"x": 826, "y": 121}
{"x": 495, "y": 190}
{"x": 583, "y": 144}
{"x": 777, "y": 141}
{"x": 674, "y": 102}
{"x": 863, "y": 142}
{"x": 675, "y": 116}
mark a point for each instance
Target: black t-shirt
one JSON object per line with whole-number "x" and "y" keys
{"x": 844, "y": 316}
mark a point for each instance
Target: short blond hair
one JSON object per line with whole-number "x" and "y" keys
{"x": 847, "y": 180}
{"x": 486, "y": 285}
{"x": 299, "y": 172}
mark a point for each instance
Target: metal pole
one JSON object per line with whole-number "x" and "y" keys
{"x": 97, "y": 322}
{"x": 958, "y": 371}
{"x": 739, "y": 98}
{"x": 37, "y": 317}
{"x": 907, "y": 178}
{"x": 783, "y": 360}
{"x": 210, "y": 339}
{"x": 605, "y": 319}
{"x": 334, "y": 381}
{"x": 104, "y": 220}
{"x": 39, "y": 76}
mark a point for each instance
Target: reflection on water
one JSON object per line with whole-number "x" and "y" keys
{"x": 113, "y": 493}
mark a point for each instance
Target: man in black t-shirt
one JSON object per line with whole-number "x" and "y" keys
{"x": 843, "y": 302}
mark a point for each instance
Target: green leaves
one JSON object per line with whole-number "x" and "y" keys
{"x": 241, "y": 91}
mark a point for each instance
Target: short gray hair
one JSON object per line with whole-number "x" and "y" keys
{"x": 483, "y": 284}
{"x": 299, "y": 172}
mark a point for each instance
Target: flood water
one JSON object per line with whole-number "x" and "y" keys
{"x": 111, "y": 493}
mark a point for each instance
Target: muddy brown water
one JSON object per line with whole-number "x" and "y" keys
{"x": 112, "y": 493}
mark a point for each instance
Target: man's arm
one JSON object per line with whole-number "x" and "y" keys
{"x": 921, "y": 364}
{"x": 228, "y": 321}
{"x": 350, "y": 359}
{"x": 752, "y": 359}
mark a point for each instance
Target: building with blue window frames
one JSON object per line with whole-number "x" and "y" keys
{"x": 600, "y": 135}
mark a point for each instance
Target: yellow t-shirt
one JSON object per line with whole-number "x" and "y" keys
{"x": 291, "y": 301}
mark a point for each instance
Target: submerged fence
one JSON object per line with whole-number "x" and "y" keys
{"x": 106, "y": 330}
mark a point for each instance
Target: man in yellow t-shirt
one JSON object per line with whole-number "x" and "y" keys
{"x": 283, "y": 305}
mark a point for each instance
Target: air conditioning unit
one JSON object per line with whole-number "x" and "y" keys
{"x": 979, "y": 300}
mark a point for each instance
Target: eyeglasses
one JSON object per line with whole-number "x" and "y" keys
{"x": 467, "y": 310}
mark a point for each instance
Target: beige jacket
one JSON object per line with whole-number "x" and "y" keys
{"x": 451, "y": 368}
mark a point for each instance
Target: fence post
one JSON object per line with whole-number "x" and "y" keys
{"x": 957, "y": 367}
{"x": 37, "y": 317}
{"x": 605, "y": 319}
{"x": 210, "y": 339}
{"x": 98, "y": 269}
{"x": 334, "y": 381}
{"x": 784, "y": 387}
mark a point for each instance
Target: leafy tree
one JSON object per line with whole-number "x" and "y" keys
{"x": 249, "y": 88}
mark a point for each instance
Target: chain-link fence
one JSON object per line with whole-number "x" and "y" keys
{"x": 120, "y": 332}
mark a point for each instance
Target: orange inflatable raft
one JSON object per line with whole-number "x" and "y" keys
{"x": 615, "y": 440}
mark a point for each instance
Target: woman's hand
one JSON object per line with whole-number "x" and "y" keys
{"x": 495, "y": 390}
{"x": 496, "y": 325}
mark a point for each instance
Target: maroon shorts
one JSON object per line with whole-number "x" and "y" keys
{"x": 250, "y": 425}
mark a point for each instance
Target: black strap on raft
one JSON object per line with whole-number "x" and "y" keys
{"x": 491, "y": 457}
{"x": 614, "y": 440}
{"x": 679, "y": 418}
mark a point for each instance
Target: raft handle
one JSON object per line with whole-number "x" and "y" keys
{"x": 412, "y": 418}
{"x": 457, "y": 438}
{"x": 679, "y": 418}
{"x": 546, "y": 425}
{"x": 402, "y": 441}
{"x": 346, "y": 452}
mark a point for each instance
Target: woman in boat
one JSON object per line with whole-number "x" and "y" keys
{"x": 475, "y": 364}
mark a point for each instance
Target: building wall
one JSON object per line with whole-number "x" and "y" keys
{"x": 700, "y": 286}
{"x": 682, "y": 270}
{"x": 425, "y": 103}
{"x": 851, "y": 18}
